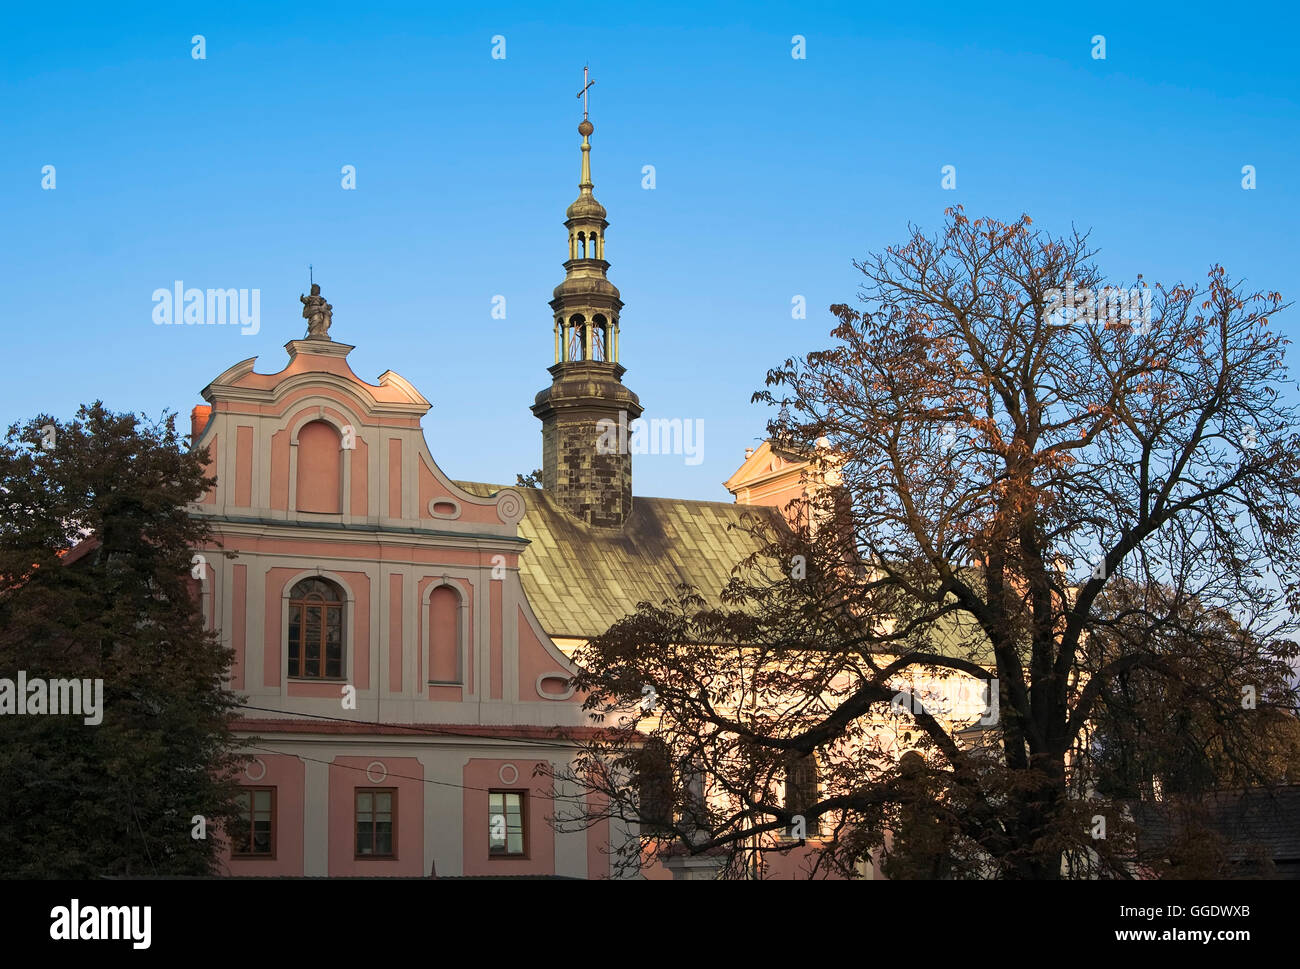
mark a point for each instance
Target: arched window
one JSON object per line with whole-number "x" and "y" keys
{"x": 320, "y": 469}
{"x": 577, "y": 334}
{"x": 316, "y": 630}
{"x": 444, "y": 635}
{"x": 599, "y": 338}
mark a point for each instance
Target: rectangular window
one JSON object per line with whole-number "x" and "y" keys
{"x": 376, "y": 822}
{"x": 253, "y": 835}
{"x": 506, "y": 823}
{"x": 801, "y": 788}
{"x": 654, "y": 784}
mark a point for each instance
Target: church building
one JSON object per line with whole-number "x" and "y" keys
{"x": 403, "y": 637}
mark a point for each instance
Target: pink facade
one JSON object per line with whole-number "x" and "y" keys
{"x": 394, "y": 671}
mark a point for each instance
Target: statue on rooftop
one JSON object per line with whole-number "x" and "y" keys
{"x": 317, "y": 313}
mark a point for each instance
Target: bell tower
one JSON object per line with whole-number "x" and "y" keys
{"x": 591, "y": 479}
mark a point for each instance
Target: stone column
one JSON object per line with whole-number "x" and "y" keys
{"x": 315, "y": 821}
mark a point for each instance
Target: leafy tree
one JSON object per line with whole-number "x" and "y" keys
{"x": 1209, "y": 711}
{"x": 1025, "y": 481}
{"x": 1182, "y": 741}
{"x": 117, "y": 798}
{"x": 531, "y": 480}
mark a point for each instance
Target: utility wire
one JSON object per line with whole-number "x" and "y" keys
{"x": 365, "y": 770}
{"x": 432, "y": 731}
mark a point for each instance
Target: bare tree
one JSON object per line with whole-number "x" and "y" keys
{"x": 1009, "y": 443}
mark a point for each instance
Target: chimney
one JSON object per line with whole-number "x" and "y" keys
{"x": 198, "y": 421}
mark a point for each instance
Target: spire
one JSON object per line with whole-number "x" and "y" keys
{"x": 585, "y": 128}
{"x": 585, "y": 205}
{"x": 587, "y": 394}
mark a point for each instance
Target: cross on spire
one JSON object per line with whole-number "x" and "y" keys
{"x": 583, "y": 93}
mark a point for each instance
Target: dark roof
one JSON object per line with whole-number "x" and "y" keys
{"x": 1250, "y": 821}
{"x": 580, "y": 579}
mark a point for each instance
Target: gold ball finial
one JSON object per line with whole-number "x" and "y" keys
{"x": 586, "y": 128}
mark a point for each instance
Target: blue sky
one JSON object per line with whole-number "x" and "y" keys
{"x": 772, "y": 174}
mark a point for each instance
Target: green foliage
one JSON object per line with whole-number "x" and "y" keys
{"x": 80, "y": 800}
{"x": 1179, "y": 724}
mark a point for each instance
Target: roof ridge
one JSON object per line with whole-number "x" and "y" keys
{"x": 767, "y": 509}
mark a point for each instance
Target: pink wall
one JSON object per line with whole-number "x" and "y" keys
{"x": 495, "y": 659}
{"x": 210, "y": 470}
{"x": 243, "y": 466}
{"x": 287, "y": 775}
{"x": 534, "y": 660}
{"x": 433, "y": 556}
{"x": 598, "y": 853}
{"x": 395, "y": 477}
{"x": 652, "y": 868}
{"x": 320, "y": 475}
{"x": 482, "y": 775}
{"x": 448, "y": 693}
{"x": 360, "y": 466}
{"x": 430, "y": 488}
{"x": 280, "y": 470}
{"x": 444, "y": 638}
{"x": 778, "y": 495}
{"x": 239, "y": 618}
{"x": 797, "y": 864}
{"x": 349, "y": 773}
{"x": 359, "y": 671}
{"x": 332, "y": 689}
{"x": 395, "y": 633}
{"x": 272, "y": 652}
